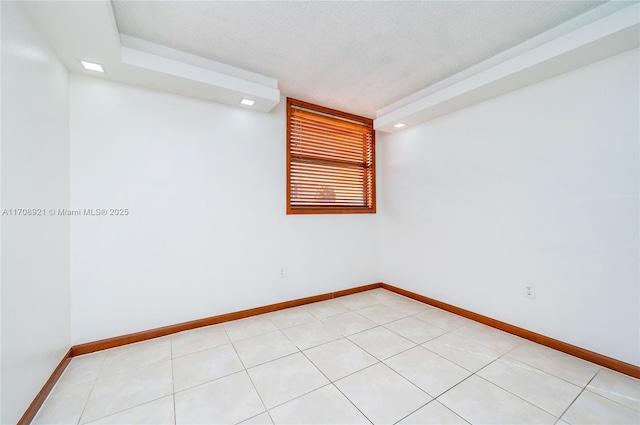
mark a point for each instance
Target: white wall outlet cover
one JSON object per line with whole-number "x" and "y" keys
{"x": 529, "y": 290}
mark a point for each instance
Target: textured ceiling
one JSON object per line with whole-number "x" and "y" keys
{"x": 353, "y": 56}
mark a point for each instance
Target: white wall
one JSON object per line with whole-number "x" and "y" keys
{"x": 207, "y": 231}
{"x": 35, "y": 174}
{"x": 538, "y": 185}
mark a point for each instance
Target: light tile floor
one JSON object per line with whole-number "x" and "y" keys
{"x": 373, "y": 357}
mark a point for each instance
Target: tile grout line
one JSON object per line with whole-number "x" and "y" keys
{"x": 418, "y": 343}
{"x": 519, "y": 397}
{"x": 504, "y": 389}
{"x": 486, "y": 346}
{"x": 371, "y": 354}
{"x": 383, "y": 360}
{"x": 318, "y": 320}
{"x": 122, "y": 373}
{"x": 354, "y": 333}
{"x": 448, "y": 331}
{"x": 457, "y": 364}
{"x": 377, "y": 303}
{"x": 244, "y": 368}
{"x": 475, "y": 374}
{"x": 549, "y": 374}
{"x": 173, "y": 383}
{"x": 578, "y": 396}
{"x": 545, "y": 372}
{"x": 433, "y": 400}
{"x": 228, "y": 341}
{"x": 374, "y": 364}
{"x": 332, "y": 382}
{"x": 93, "y": 385}
{"x": 246, "y": 371}
{"x": 350, "y": 401}
{"x": 347, "y": 337}
{"x": 599, "y": 395}
{"x": 330, "y": 315}
{"x": 505, "y": 355}
{"x": 463, "y": 418}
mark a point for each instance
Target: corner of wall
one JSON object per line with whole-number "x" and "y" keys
{"x": 35, "y": 176}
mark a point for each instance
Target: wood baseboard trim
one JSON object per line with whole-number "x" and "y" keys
{"x": 90, "y": 347}
{"x": 591, "y": 356}
{"x": 104, "y": 344}
{"x": 37, "y": 402}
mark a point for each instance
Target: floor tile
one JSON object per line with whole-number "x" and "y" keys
{"x": 204, "y": 366}
{"x": 617, "y": 387}
{"x": 462, "y": 351}
{"x": 231, "y": 399}
{"x": 263, "y": 348}
{"x": 133, "y": 356}
{"x": 157, "y": 412}
{"x": 122, "y": 391}
{"x": 380, "y": 295}
{"x": 261, "y": 419}
{"x": 443, "y": 319}
{"x": 83, "y": 368}
{"x": 197, "y": 340}
{"x": 285, "y": 379}
{"x": 533, "y": 385}
{"x": 432, "y": 373}
{"x": 381, "y": 342}
{"x": 433, "y": 413}
{"x": 325, "y": 405}
{"x": 251, "y": 326}
{"x": 564, "y": 366}
{"x": 415, "y": 330}
{"x": 324, "y": 309}
{"x": 357, "y": 301}
{"x": 340, "y": 358}
{"x": 291, "y": 317}
{"x": 591, "y": 408}
{"x": 495, "y": 339}
{"x": 406, "y": 305}
{"x": 310, "y": 335}
{"x": 479, "y": 401}
{"x": 64, "y": 404}
{"x": 381, "y": 394}
{"x": 382, "y": 368}
{"x": 349, "y": 323}
{"x": 381, "y": 314}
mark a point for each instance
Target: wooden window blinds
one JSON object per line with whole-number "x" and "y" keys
{"x": 330, "y": 161}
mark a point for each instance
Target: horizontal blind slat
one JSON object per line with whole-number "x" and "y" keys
{"x": 330, "y": 161}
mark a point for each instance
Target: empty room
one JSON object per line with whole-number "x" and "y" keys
{"x": 320, "y": 212}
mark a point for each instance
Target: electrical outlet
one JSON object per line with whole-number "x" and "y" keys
{"x": 530, "y": 291}
{"x": 282, "y": 273}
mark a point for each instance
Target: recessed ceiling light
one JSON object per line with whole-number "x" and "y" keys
{"x": 91, "y": 66}
{"x": 247, "y": 102}
{"x": 399, "y": 125}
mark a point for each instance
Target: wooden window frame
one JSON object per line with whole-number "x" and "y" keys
{"x": 369, "y": 193}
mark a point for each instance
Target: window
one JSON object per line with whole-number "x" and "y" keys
{"x": 330, "y": 161}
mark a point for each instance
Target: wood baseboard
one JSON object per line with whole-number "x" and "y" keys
{"x": 90, "y": 347}
{"x": 591, "y": 356}
{"x": 103, "y": 344}
{"x": 37, "y": 402}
